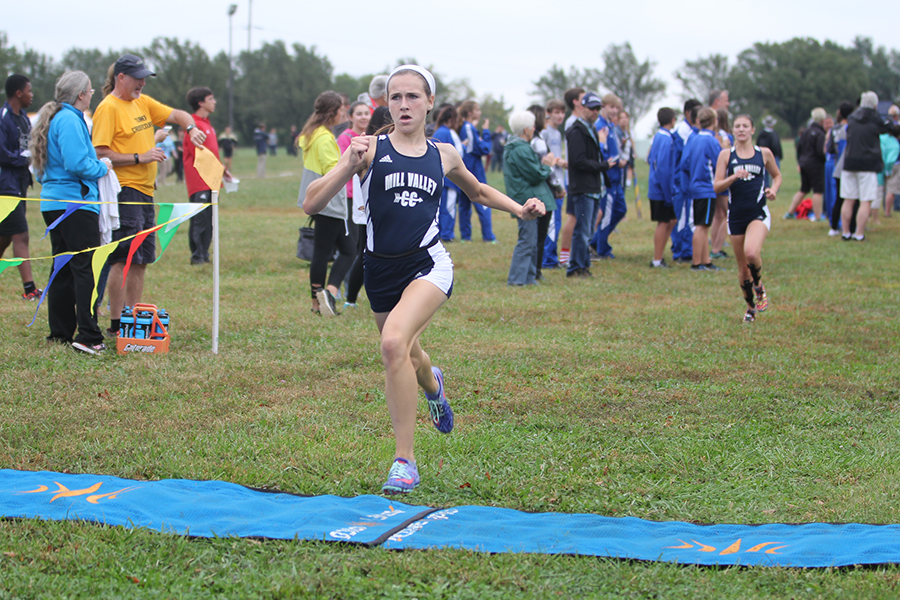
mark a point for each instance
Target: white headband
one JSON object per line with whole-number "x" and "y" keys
{"x": 429, "y": 78}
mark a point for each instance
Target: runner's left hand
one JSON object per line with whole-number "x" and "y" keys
{"x": 532, "y": 209}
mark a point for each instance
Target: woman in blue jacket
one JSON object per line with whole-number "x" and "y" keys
{"x": 67, "y": 168}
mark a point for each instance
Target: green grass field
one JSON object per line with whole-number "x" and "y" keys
{"x": 637, "y": 393}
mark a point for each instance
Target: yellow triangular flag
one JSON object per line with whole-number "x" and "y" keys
{"x": 97, "y": 262}
{"x": 7, "y": 205}
{"x": 208, "y": 167}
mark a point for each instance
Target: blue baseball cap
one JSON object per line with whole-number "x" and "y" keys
{"x": 591, "y": 100}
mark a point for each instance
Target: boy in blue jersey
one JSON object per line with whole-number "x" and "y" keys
{"x": 476, "y": 147}
{"x": 699, "y": 166}
{"x": 612, "y": 205}
{"x": 661, "y": 188}
{"x": 683, "y": 233}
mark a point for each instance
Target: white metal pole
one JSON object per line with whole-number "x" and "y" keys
{"x": 215, "y": 242}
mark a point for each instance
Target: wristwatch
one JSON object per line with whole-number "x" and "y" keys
{"x": 188, "y": 128}
{"x": 137, "y": 159}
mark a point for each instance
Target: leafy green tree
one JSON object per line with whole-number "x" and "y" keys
{"x": 630, "y": 79}
{"x": 93, "y": 62}
{"x": 277, "y": 87}
{"x": 180, "y": 66}
{"x": 38, "y": 67}
{"x": 882, "y": 67}
{"x": 556, "y": 81}
{"x": 496, "y": 110}
{"x": 700, "y": 77}
{"x": 789, "y": 79}
{"x": 9, "y": 57}
{"x": 43, "y": 73}
{"x": 352, "y": 86}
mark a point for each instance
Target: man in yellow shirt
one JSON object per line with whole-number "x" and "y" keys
{"x": 123, "y": 132}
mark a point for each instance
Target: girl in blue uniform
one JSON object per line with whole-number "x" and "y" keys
{"x": 408, "y": 273}
{"x": 741, "y": 170}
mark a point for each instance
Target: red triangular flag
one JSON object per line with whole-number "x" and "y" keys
{"x": 135, "y": 243}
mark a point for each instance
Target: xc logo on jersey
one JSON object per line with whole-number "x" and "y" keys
{"x": 407, "y": 198}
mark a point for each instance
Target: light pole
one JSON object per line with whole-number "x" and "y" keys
{"x": 249, "y": 23}
{"x": 231, "y": 10}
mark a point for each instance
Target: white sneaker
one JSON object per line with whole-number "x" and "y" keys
{"x": 92, "y": 349}
{"x": 833, "y": 232}
{"x": 812, "y": 218}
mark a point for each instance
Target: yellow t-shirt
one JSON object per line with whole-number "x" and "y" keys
{"x": 127, "y": 127}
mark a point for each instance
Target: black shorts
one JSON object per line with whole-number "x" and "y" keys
{"x": 133, "y": 219}
{"x": 660, "y": 212}
{"x": 570, "y": 207}
{"x": 812, "y": 178}
{"x": 16, "y": 222}
{"x": 704, "y": 210}
{"x": 387, "y": 278}
{"x": 738, "y": 222}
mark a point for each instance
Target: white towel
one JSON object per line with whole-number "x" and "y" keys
{"x": 109, "y": 210}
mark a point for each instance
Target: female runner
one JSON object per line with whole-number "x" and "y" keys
{"x": 741, "y": 170}
{"x": 408, "y": 273}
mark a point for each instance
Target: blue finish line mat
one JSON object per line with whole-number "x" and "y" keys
{"x": 221, "y": 509}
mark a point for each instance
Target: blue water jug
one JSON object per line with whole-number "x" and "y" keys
{"x": 126, "y": 323}
{"x": 163, "y": 318}
{"x": 143, "y": 323}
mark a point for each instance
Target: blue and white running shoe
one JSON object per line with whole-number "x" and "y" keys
{"x": 402, "y": 478}
{"x": 441, "y": 413}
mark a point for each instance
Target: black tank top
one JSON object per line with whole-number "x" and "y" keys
{"x": 746, "y": 197}
{"x": 403, "y": 197}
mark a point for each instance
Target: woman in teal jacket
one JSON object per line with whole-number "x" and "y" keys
{"x": 66, "y": 165}
{"x": 525, "y": 175}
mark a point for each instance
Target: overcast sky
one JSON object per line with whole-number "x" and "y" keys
{"x": 501, "y": 46}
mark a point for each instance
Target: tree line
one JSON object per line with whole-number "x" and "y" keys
{"x": 784, "y": 79}
{"x": 275, "y": 84}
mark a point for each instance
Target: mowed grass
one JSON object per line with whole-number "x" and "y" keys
{"x": 637, "y": 393}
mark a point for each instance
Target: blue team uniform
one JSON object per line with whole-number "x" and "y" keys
{"x": 661, "y": 185}
{"x": 476, "y": 148}
{"x": 451, "y": 193}
{"x": 699, "y": 168}
{"x": 703, "y": 152}
{"x": 613, "y": 204}
{"x": 403, "y": 197}
{"x": 747, "y": 197}
{"x": 683, "y": 233}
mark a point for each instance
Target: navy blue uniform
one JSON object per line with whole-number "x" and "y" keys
{"x": 403, "y": 197}
{"x": 747, "y": 197}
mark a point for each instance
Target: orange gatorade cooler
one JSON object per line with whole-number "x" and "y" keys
{"x": 150, "y": 332}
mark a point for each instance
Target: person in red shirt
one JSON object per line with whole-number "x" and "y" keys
{"x": 203, "y": 103}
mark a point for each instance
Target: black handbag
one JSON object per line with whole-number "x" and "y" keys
{"x": 305, "y": 243}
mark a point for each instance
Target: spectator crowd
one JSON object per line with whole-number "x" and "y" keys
{"x": 574, "y": 154}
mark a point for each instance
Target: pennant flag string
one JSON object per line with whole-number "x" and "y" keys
{"x": 195, "y": 207}
{"x": 12, "y": 201}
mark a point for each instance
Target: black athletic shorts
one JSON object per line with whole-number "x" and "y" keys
{"x": 16, "y": 222}
{"x": 134, "y": 218}
{"x": 704, "y": 210}
{"x": 812, "y": 178}
{"x": 660, "y": 212}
